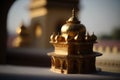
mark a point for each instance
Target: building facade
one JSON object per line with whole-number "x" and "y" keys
{"x": 47, "y": 16}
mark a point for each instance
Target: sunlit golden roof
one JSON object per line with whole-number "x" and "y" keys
{"x": 73, "y": 26}
{"x": 73, "y": 31}
{"x": 73, "y": 18}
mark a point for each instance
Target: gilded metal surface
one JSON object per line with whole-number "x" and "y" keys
{"x": 73, "y": 49}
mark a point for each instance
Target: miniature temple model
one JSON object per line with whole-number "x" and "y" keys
{"x": 73, "y": 49}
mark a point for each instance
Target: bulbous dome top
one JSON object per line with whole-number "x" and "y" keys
{"x": 73, "y": 26}
{"x": 52, "y": 37}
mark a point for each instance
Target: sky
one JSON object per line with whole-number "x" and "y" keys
{"x": 99, "y": 16}
{"x": 18, "y": 13}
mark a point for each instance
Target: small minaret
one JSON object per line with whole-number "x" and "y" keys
{"x": 73, "y": 52}
{"x": 23, "y": 38}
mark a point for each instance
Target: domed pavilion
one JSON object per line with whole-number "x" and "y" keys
{"x": 73, "y": 52}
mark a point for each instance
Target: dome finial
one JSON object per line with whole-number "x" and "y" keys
{"x": 73, "y": 13}
{"x": 73, "y": 18}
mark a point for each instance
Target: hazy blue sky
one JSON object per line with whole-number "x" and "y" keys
{"x": 19, "y": 12}
{"x": 99, "y": 16}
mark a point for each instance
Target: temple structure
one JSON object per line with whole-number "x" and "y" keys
{"x": 73, "y": 52}
{"x": 47, "y": 16}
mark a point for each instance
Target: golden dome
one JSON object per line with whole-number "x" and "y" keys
{"x": 52, "y": 37}
{"x": 73, "y": 26}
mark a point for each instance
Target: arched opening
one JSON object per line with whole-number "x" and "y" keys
{"x": 3, "y": 29}
{"x": 14, "y": 15}
{"x": 57, "y": 63}
{"x": 64, "y": 65}
{"x": 52, "y": 62}
{"x": 36, "y": 30}
{"x": 75, "y": 66}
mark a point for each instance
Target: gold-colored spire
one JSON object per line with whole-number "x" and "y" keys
{"x": 94, "y": 37}
{"x": 73, "y": 18}
{"x": 88, "y": 38}
{"x": 73, "y": 13}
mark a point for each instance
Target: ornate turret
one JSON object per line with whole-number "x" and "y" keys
{"x": 52, "y": 37}
{"x": 73, "y": 48}
{"x": 94, "y": 37}
{"x": 23, "y": 37}
{"x": 88, "y": 38}
{"x": 22, "y": 31}
{"x": 73, "y": 26}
